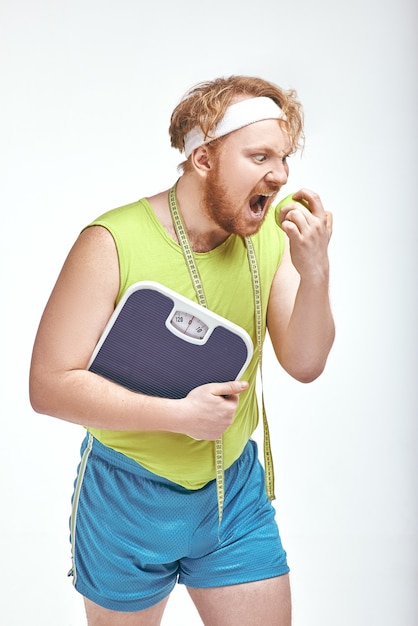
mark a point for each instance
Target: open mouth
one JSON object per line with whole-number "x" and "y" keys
{"x": 259, "y": 202}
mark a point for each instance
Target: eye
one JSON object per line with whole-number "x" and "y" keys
{"x": 284, "y": 159}
{"x": 260, "y": 158}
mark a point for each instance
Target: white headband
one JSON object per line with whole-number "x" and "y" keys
{"x": 237, "y": 116}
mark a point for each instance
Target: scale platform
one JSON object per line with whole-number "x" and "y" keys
{"x": 159, "y": 343}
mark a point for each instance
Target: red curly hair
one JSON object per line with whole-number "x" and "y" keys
{"x": 205, "y": 104}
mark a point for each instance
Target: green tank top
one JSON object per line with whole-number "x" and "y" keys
{"x": 147, "y": 252}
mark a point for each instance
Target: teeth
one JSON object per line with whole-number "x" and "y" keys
{"x": 260, "y": 201}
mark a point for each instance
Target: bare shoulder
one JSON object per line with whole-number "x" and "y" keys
{"x": 92, "y": 262}
{"x": 95, "y": 245}
{"x": 82, "y": 300}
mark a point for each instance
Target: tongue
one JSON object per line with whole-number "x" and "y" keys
{"x": 256, "y": 204}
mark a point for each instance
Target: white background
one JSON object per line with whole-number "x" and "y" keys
{"x": 87, "y": 89}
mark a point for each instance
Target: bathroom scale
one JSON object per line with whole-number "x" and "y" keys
{"x": 160, "y": 343}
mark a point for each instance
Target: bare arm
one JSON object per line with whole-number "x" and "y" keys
{"x": 299, "y": 316}
{"x": 78, "y": 309}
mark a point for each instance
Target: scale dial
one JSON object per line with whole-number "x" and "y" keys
{"x": 189, "y": 324}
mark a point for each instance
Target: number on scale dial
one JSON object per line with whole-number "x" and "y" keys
{"x": 189, "y": 324}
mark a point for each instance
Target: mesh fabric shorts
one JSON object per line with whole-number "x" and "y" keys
{"x": 135, "y": 534}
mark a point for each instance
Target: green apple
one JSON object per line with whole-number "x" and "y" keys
{"x": 287, "y": 200}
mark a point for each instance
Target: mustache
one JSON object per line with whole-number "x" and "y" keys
{"x": 266, "y": 190}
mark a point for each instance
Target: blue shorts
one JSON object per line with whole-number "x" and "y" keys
{"x": 135, "y": 534}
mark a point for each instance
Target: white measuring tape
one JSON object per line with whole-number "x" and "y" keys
{"x": 198, "y": 287}
{"x": 268, "y": 457}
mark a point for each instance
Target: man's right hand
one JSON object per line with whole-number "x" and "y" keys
{"x": 208, "y": 410}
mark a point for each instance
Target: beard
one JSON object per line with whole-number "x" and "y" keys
{"x": 226, "y": 211}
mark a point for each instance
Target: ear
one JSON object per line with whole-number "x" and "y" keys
{"x": 201, "y": 160}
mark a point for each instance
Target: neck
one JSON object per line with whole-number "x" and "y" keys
{"x": 204, "y": 234}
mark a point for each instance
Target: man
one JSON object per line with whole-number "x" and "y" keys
{"x": 145, "y": 506}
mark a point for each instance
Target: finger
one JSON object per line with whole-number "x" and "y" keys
{"x": 329, "y": 222}
{"x": 310, "y": 199}
{"x": 230, "y": 388}
{"x": 296, "y": 214}
{"x": 285, "y": 205}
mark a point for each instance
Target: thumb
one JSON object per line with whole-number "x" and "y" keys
{"x": 229, "y": 388}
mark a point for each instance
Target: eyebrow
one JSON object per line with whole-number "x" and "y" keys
{"x": 267, "y": 149}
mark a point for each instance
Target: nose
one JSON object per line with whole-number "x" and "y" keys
{"x": 278, "y": 174}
